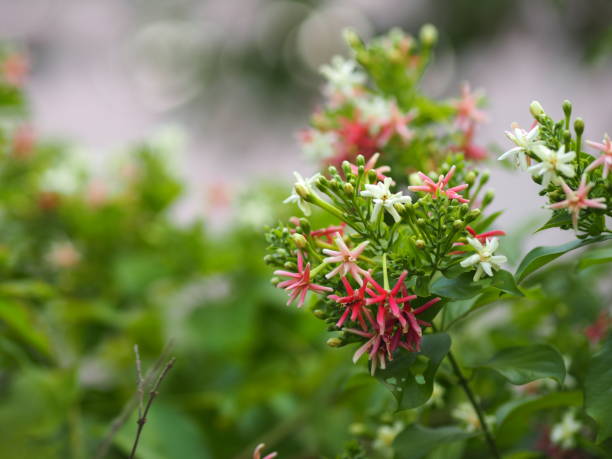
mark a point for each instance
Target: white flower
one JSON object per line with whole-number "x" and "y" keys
{"x": 375, "y": 111}
{"x": 382, "y": 197}
{"x": 484, "y": 258}
{"x": 553, "y": 163}
{"x": 524, "y": 141}
{"x": 319, "y": 145}
{"x": 465, "y": 413}
{"x": 385, "y": 436}
{"x": 342, "y": 75}
{"x": 301, "y": 188}
{"x": 563, "y": 434}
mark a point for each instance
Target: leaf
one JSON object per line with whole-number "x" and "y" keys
{"x": 459, "y": 288}
{"x": 417, "y": 441}
{"x": 557, "y": 220}
{"x": 484, "y": 224}
{"x": 595, "y": 257}
{"x": 540, "y": 256}
{"x": 408, "y": 378}
{"x": 523, "y": 364}
{"x": 457, "y": 310}
{"x": 22, "y": 322}
{"x": 504, "y": 281}
{"x": 598, "y": 390}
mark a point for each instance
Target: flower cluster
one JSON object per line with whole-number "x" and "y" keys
{"x": 373, "y": 266}
{"x": 373, "y": 105}
{"x": 576, "y": 184}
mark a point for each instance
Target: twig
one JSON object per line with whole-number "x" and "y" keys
{"x": 129, "y": 407}
{"x": 140, "y": 386}
{"x": 152, "y": 394}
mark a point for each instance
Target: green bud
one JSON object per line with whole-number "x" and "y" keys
{"x": 282, "y": 252}
{"x": 458, "y": 224}
{"x": 419, "y": 243}
{"x": 579, "y": 126}
{"x": 420, "y": 221}
{"x": 488, "y": 198}
{"x": 428, "y": 35}
{"x": 567, "y": 108}
{"x": 350, "y": 37}
{"x": 299, "y": 241}
{"x": 274, "y": 281}
{"x": 464, "y": 208}
{"x": 322, "y": 183}
{"x": 536, "y": 109}
{"x": 346, "y": 167}
{"x": 335, "y": 185}
{"x": 302, "y": 191}
{"x": 360, "y": 161}
{"x": 268, "y": 259}
{"x": 334, "y": 342}
{"x": 399, "y": 207}
{"x": 372, "y": 177}
{"x": 319, "y": 314}
{"x": 349, "y": 189}
{"x": 484, "y": 177}
{"x": 414, "y": 179}
{"x": 305, "y": 225}
{"x": 332, "y": 171}
{"x": 473, "y": 215}
{"x": 357, "y": 429}
{"x": 470, "y": 178}
{"x": 289, "y": 265}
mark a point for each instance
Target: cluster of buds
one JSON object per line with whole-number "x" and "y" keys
{"x": 374, "y": 106}
{"x": 576, "y": 184}
{"x": 372, "y": 267}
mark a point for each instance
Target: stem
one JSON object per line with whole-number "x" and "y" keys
{"x": 468, "y": 391}
{"x": 385, "y": 277}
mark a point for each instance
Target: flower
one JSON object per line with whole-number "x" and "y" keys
{"x": 354, "y": 302}
{"x": 385, "y": 436}
{"x": 329, "y": 231}
{"x": 485, "y": 259}
{"x": 467, "y": 108}
{"x": 465, "y": 412}
{"x": 382, "y": 197}
{"x": 480, "y": 237}
{"x": 258, "y": 451}
{"x": 553, "y": 163}
{"x": 525, "y": 143}
{"x": 24, "y": 141}
{"x": 342, "y": 76}
{"x": 605, "y": 158}
{"x": 564, "y": 433}
{"x": 384, "y": 118}
{"x": 396, "y": 124}
{"x": 299, "y": 282}
{"x": 64, "y": 255}
{"x": 436, "y": 189}
{"x": 385, "y": 298}
{"x": 317, "y": 144}
{"x": 356, "y": 139}
{"x": 379, "y": 346}
{"x": 370, "y": 166}
{"x": 15, "y": 69}
{"x": 598, "y": 329}
{"x": 577, "y": 200}
{"x": 347, "y": 259}
{"x": 302, "y": 188}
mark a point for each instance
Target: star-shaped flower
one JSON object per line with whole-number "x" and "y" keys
{"x": 576, "y": 200}
{"x": 553, "y": 163}
{"x": 383, "y": 198}
{"x": 317, "y": 144}
{"x": 605, "y": 158}
{"x": 524, "y": 141}
{"x": 467, "y": 108}
{"x": 485, "y": 260}
{"x": 299, "y": 282}
{"x": 354, "y": 303}
{"x": 390, "y": 298}
{"x": 302, "y": 187}
{"x": 258, "y": 452}
{"x": 347, "y": 259}
{"x": 342, "y": 76}
{"x": 437, "y": 188}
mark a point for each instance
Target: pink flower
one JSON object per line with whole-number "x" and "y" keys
{"x": 258, "y": 451}
{"x": 389, "y": 298}
{"x": 397, "y": 124}
{"x": 370, "y": 166}
{"x": 355, "y": 139}
{"x": 482, "y": 238}
{"x": 436, "y": 189}
{"x": 598, "y": 330}
{"x": 354, "y": 303}
{"x": 347, "y": 259}
{"x": 605, "y": 158}
{"x": 15, "y": 69}
{"x": 24, "y": 141}
{"x": 577, "y": 200}
{"x": 467, "y": 108}
{"x": 379, "y": 346}
{"x": 328, "y": 232}
{"x": 299, "y": 282}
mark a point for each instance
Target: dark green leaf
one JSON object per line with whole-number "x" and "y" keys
{"x": 504, "y": 281}
{"x": 458, "y": 309}
{"x": 557, "y": 220}
{"x": 483, "y": 225}
{"x": 520, "y": 365}
{"x": 540, "y": 256}
{"x": 598, "y": 390}
{"x": 417, "y": 441}
{"x": 409, "y": 378}
{"x": 595, "y": 257}
{"x": 459, "y": 288}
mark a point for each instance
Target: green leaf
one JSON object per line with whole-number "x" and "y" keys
{"x": 504, "y": 281}
{"x": 540, "y": 256}
{"x": 557, "y": 220}
{"x": 410, "y": 375}
{"x": 598, "y": 390}
{"x": 458, "y": 309}
{"x": 459, "y": 288}
{"x": 22, "y": 323}
{"x": 417, "y": 441}
{"x": 595, "y": 257}
{"x": 483, "y": 225}
{"x": 523, "y": 364}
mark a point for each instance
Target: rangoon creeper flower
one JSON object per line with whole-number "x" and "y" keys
{"x": 383, "y": 198}
{"x": 302, "y": 188}
{"x": 318, "y": 145}
{"x": 329, "y": 231}
{"x": 299, "y": 282}
{"x": 371, "y": 166}
{"x": 553, "y": 163}
{"x": 524, "y": 141}
{"x": 374, "y": 111}
{"x": 258, "y": 452}
{"x": 605, "y": 158}
{"x": 564, "y": 433}
{"x": 485, "y": 259}
{"x": 467, "y": 108}
{"x": 577, "y": 200}
{"x": 354, "y": 303}
{"x": 347, "y": 259}
{"x": 343, "y": 76}
{"x": 437, "y": 188}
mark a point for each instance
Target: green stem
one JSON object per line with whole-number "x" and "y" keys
{"x": 385, "y": 277}
{"x": 317, "y": 270}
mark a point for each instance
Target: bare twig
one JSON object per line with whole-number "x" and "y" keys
{"x": 152, "y": 394}
{"x": 129, "y": 407}
{"x": 140, "y": 385}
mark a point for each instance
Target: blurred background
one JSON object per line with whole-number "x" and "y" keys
{"x": 219, "y": 89}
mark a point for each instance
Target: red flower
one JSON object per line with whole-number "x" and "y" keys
{"x": 598, "y": 329}
{"x": 299, "y": 282}
{"x": 389, "y": 297}
{"x": 437, "y": 188}
{"x": 354, "y": 303}
{"x": 329, "y": 232}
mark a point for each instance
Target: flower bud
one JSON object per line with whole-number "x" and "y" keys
{"x": 346, "y": 167}
{"x": 484, "y": 177}
{"x": 332, "y": 171}
{"x": 334, "y": 342}
{"x": 579, "y": 126}
{"x": 305, "y": 225}
{"x": 420, "y": 221}
{"x": 281, "y": 252}
{"x": 567, "y": 108}
{"x": 536, "y": 109}
{"x": 464, "y": 208}
{"x": 470, "y": 178}
{"x": 350, "y": 37}
{"x": 322, "y": 183}
{"x": 360, "y": 161}
{"x": 319, "y": 314}
{"x": 274, "y": 281}
{"x": 399, "y": 207}
{"x": 299, "y": 241}
{"x": 428, "y": 35}
{"x": 415, "y": 180}
{"x": 372, "y": 177}
{"x": 268, "y": 259}
{"x": 473, "y": 215}
{"x": 419, "y": 243}
{"x": 289, "y": 265}
{"x": 302, "y": 191}
{"x": 349, "y": 188}
{"x": 488, "y": 198}
{"x": 458, "y": 224}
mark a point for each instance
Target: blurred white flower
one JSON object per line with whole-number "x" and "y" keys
{"x": 564, "y": 433}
